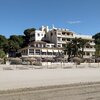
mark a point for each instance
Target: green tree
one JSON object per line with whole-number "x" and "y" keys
{"x": 15, "y": 43}
{"x": 17, "y": 39}
{"x": 27, "y": 33}
{"x": 2, "y": 53}
{"x": 3, "y": 43}
{"x": 97, "y": 42}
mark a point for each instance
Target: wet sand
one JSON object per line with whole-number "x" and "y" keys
{"x": 79, "y": 91}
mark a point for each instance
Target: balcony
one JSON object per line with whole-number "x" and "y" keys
{"x": 89, "y": 49}
{"x": 92, "y": 43}
{"x": 65, "y": 36}
{"x": 61, "y": 42}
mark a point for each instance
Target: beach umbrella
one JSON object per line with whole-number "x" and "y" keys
{"x": 77, "y": 59}
{"x": 15, "y": 60}
{"x": 28, "y": 59}
{"x": 89, "y": 60}
{"x": 97, "y": 59}
{"x": 49, "y": 59}
{"x": 38, "y": 59}
{"x": 1, "y": 60}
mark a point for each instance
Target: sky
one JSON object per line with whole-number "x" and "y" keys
{"x": 80, "y": 16}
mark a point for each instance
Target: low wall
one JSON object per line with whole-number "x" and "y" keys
{"x": 49, "y": 65}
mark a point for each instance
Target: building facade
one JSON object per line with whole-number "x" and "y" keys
{"x": 47, "y": 42}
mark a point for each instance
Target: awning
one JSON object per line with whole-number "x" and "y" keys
{"x": 44, "y": 50}
{"x": 55, "y": 50}
{"x": 60, "y": 50}
{"x": 50, "y": 50}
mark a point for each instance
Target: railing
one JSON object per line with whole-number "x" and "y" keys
{"x": 89, "y": 49}
{"x": 65, "y": 36}
{"x": 92, "y": 43}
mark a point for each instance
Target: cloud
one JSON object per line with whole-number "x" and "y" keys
{"x": 74, "y": 22}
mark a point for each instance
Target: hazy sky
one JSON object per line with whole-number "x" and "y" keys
{"x": 81, "y": 16}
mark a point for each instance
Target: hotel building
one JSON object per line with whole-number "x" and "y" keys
{"x": 47, "y": 42}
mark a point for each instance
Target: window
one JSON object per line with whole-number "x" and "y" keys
{"x": 68, "y": 39}
{"x": 43, "y": 53}
{"x": 37, "y": 52}
{"x": 87, "y": 53}
{"x": 59, "y": 33}
{"x": 32, "y": 45}
{"x": 59, "y": 38}
{"x": 52, "y": 46}
{"x": 63, "y": 45}
{"x": 51, "y": 34}
{"x": 68, "y": 33}
{"x": 49, "y": 53}
{"x": 63, "y": 39}
{"x": 63, "y": 33}
{"x": 36, "y": 45}
{"x": 48, "y": 45}
{"x": 31, "y": 51}
{"x": 45, "y": 36}
{"x": 41, "y": 34}
{"x": 44, "y": 45}
{"x": 87, "y": 46}
{"x": 38, "y": 34}
{"x": 59, "y": 45}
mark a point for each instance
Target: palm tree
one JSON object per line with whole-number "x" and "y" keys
{"x": 68, "y": 50}
{"x": 82, "y": 43}
{"x": 75, "y": 47}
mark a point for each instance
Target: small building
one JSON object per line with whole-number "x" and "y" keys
{"x": 40, "y": 49}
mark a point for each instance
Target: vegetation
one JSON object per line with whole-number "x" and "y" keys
{"x": 2, "y": 54}
{"x": 75, "y": 48}
{"x": 27, "y": 33}
{"x": 97, "y": 42}
{"x": 14, "y": 42}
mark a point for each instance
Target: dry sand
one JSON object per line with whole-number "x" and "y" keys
{"x": 14, "y": 79}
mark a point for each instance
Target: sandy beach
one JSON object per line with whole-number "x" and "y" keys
{"x": 14, "y": 79}
{"x": 50, "y": 84}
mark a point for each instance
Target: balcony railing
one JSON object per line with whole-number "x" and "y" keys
{"x": 65, "y": 36}
{"x": 92, "y": 43}
{"x": 89, "y": 49}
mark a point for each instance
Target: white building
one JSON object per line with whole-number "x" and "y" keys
{"x": 60, "y": 37}
{"x": 41, "y": 49}
{"x": 47, "y": 42}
